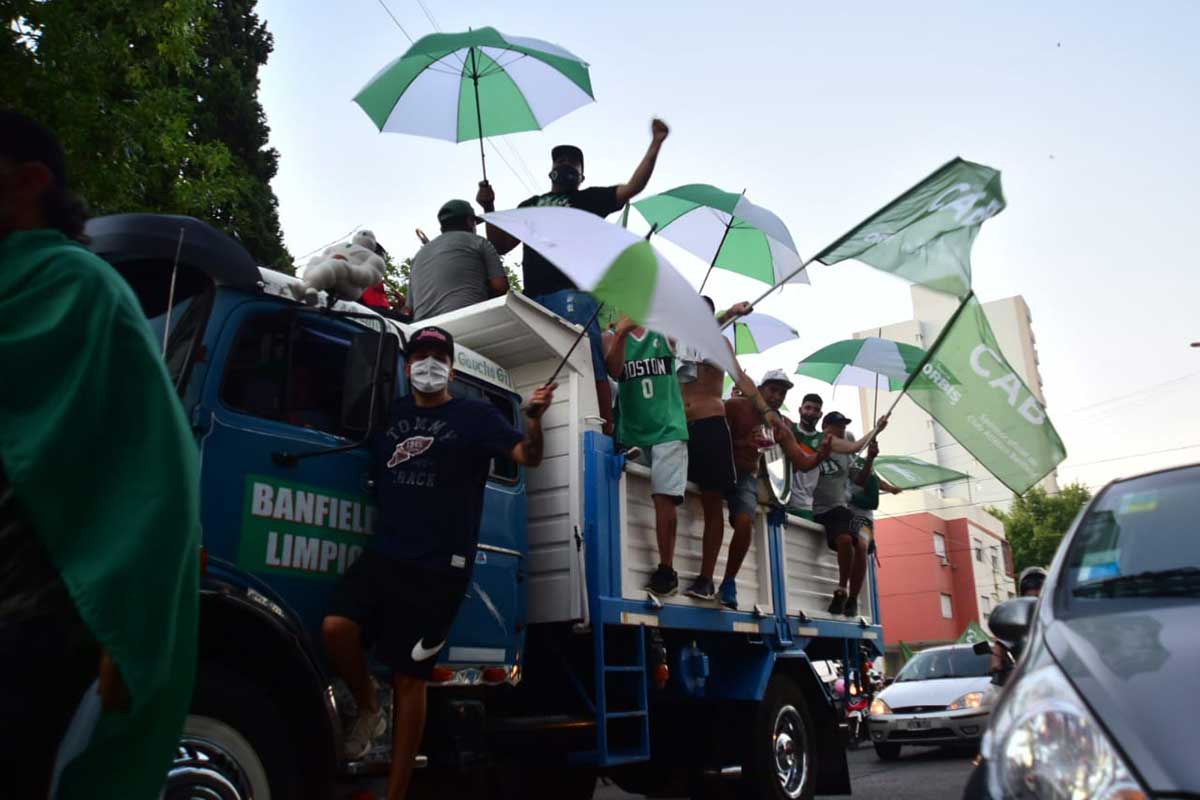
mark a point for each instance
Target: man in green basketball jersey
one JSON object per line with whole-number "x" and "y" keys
{"x": 652, "y": 418}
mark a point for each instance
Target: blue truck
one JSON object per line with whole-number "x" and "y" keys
{"x": 560, "y": 666}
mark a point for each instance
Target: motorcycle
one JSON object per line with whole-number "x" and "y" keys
{"x": 857, "y": 706}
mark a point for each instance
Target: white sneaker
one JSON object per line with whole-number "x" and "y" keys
{"x": 368, "y": 725}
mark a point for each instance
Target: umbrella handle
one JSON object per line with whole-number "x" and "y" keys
{"x": 478, "y": 114}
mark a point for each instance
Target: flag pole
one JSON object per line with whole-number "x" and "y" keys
{"x": 838, "y": 242}
{"x": 720, "y": 244}
{"x": 875, "y": 412}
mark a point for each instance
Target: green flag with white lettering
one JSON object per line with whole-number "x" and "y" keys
{"x": 968, "y": 386}
{"x": 973, "y": 633}
{"x": 906, "y": 472}
{"x": 925, "y": 234}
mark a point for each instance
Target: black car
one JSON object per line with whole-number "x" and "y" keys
{"x": 1103, "y": 703}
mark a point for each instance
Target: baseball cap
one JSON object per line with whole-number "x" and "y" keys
{"x": 433, "y": 338}
{"x": 456, "y": 209}
{"x": 835, "y": 418}
{"x": 23, "y": 139}
{"x": 777, "y": 376}
{"x": 569, "y": 151}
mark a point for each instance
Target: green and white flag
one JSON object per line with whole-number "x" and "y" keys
{"x": 906, "y": 652}
{"x": 967, "y": 385}
{"x": 870, "y": 362}
{"x": 925, "y": 235}
{"x": 621, "y": 270}
{"x": 906, "y": 472}
{"x": 973, "y": 633}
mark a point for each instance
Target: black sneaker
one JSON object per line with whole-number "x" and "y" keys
{"x": 851, "y": 609}
{"x": 664, "y": 582}
{"x": 702, "y": 589}
{"x": 838, "y": 603}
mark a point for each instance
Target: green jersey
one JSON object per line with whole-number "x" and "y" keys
{"x": 651, "y": 409}
{"x": 803, "y": 483}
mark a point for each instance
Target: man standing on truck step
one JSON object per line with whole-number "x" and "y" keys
{"x": 402, "y": 594}
{"x": 99, "y": 506}
{"x": 652, "y": 419}
{"x": 457, "y": 269}
{"x": 544, "y": 283}
{"x": 831, "y": 510}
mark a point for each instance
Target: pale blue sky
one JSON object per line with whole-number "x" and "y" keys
{"x": 824, "y": 111}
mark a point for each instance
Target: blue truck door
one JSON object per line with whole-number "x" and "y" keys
{"x": 276, "y": 386}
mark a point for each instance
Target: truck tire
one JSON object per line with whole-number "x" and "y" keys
{"x": 781, "y": 763}
{"x": 235, "y": 744}
{"x": 887, "y": 751}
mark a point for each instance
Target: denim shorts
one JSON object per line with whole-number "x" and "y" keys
{"x": 580, "y": 308}
{"x": 668, "y": 463}
{"x": 743, "y": 499}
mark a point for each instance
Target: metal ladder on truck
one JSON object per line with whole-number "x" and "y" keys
{"x": 618, "y": 698}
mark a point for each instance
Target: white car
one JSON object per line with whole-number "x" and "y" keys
{"x": 942, "y": 696}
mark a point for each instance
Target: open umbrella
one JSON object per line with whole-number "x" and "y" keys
{"x": 907, "y": 472}
{"x": 726, "y": 230}
{"x": 620, "y": 269}
{"x": 460, "y": 86}
{"x": 868, "y": 363}
{"x": 757, "y": 332}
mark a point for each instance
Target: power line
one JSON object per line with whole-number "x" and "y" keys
{"x": 398, "y": 25}
{"x": 345, "y": 235}
{"x": 516, "y": 174}
{"x": 429, "y": 16}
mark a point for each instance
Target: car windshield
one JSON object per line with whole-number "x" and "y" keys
{"x": 1138, "y": 539}
{"x": 958, "y": 662}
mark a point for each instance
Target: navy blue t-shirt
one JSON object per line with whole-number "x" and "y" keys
{"x": 430, "y": 468}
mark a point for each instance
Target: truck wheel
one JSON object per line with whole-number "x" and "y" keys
{"x": 781, "y": 764}
{"x": 234, "y": 745}
{"x": 887, "y": 751}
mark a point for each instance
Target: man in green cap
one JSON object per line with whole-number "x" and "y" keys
{"x": 99, "y": 506}
{"x": 457, "y": 269}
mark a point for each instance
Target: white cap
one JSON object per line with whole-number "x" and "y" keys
{"x": 777, "y": 375}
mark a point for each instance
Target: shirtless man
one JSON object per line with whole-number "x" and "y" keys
{"x": 710, "y": 454}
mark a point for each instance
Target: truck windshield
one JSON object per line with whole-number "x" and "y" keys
{"x": 1138, "y": 540}
{"x": 957, "y": 662}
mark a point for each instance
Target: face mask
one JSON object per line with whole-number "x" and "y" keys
{"x": 429, "y": 375}
{"x": 566, "y": 175}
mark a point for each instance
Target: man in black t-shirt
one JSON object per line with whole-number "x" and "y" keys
{"x": 544, "y": 283}
{"x": 402, "y": 594}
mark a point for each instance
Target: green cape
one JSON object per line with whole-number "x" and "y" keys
{"x": 98, "y": 451}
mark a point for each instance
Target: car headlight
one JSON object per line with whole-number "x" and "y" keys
{"x": 1044, "y": 743}
{"x": 879, "y": 708}
{"x": 968, "y": 700}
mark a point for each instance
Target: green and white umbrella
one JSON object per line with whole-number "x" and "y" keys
{"x": 461, "y": 86}
{"x": 907, "y": 472}
{"x": 726, "y": 230}
{"x": 621, "y": 269}
{"x": 870, "y": 362}
{"x": 757, "y": 332}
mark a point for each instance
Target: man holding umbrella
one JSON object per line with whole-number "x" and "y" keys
{"x": 545, "y": 284}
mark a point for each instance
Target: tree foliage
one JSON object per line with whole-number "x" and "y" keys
{"x": 1037, "y": 521}
{"x": 155, "y": 105}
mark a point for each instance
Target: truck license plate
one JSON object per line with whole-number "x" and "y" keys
{"x": 917, "y": 724}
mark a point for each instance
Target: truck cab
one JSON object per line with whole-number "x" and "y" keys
{"x": 560, "y": 666}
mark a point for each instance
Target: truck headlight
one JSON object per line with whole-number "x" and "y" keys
{"x": 968, "y": 700}
{"x": 1044, "y": 743}
{"x": 879, "y": 708}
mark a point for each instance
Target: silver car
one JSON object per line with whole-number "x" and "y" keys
{"x": 942, "y": 696}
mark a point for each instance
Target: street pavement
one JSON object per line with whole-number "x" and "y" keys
{"x": 921, "y": 773}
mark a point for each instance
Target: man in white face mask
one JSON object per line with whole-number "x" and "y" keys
{"x": 403, "y": 593}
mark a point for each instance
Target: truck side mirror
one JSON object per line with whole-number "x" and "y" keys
{"x": 361, "y": 377}
{"x": 1011, "y": 619}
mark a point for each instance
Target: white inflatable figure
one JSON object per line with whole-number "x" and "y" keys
{"x": 345, "y": 270}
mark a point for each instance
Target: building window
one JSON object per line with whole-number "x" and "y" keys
{"x": 985, "y": 604}
{"x": 939, "y": 544}
{"x": 978, "y": 550}
{"x": 995, "y": 562}
{"x": 947, "y": 607}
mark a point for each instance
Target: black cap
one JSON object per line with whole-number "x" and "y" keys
{"x": 24, "y": 140}
{"x": 835, "y": 418}
{"x": 432, "y": 338}
{"x": 569, "y": 151}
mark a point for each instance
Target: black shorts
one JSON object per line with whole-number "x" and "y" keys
{"x": 405, "y": 610}
{"x": 710, "y": 455}
{"x": 837, "y": 521}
